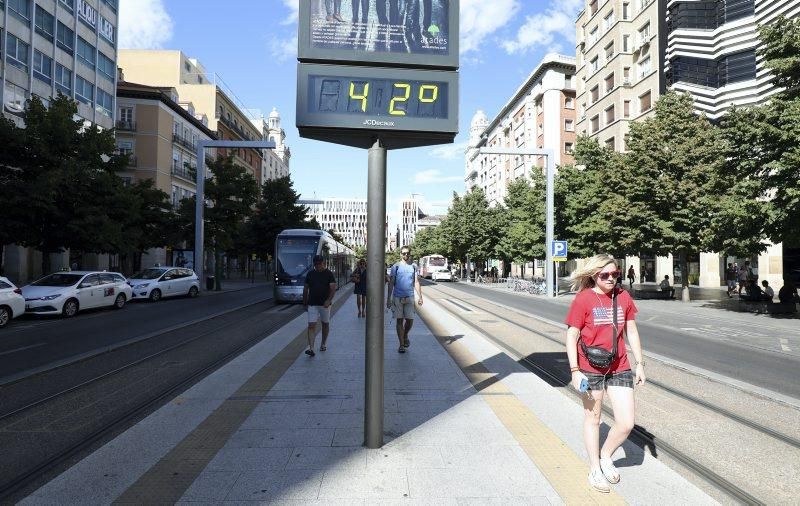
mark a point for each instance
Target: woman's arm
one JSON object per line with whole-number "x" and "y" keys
{"x": 573, "y": 333}
{"x": 636, "y": 349}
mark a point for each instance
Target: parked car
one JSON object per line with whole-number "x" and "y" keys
{"x": 66, "y": 293}
{"x": 157, "y": 282}
{"x": 12, "y": 303}
{"x": 441, "y": 276}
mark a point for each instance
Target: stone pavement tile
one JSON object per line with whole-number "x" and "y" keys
{"x": 269, "y": 421}
{"x": 335, "y": 420}
{"x": 297, "y": 437}
{"x": 405, "y": 456}
{"x": 492, "y": 457}
{"x": 249, "y": 459}
{"x": 505, "y": 501}
{"x": 326, "y": 502}
{"x": 247, "y": 438}
{"x": 211, "y": 486}
{"x": 453, "y": 482}
{"x": 270, "y": 486}
{"x": 305, "y": 406}
{"x": 373, "y": 485}
{"x": 326, "y": 458}
{"x": 348, "y": 437}
{"x": 411, "y": 501}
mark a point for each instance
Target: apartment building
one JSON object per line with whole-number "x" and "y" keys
{"x": 540, "y": 115}
{"x": 51, "y": 47}
{"x": 410, "y": 214}
{"x": 275, "y": 162}
{"x": 346, "y": 217}
{"x": 226, "y": 114}
{"x": 619, "y": 47}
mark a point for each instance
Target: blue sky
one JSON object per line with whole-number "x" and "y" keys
{"x": 252, "y": 45}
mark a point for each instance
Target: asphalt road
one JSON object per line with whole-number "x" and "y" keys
{"x": 30, "y": 343}
{"x": 755, "y": 350}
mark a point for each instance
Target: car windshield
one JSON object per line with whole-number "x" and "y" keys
{"x": 59, "y": 279}
{"x": 437, "y": 261}
{"x": 295, "y": 255}
{"x": 149, "y": 274}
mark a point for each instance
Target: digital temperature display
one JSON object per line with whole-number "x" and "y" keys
{"x": 377, "y": 97}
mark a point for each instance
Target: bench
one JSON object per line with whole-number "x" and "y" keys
{"x": 767, "y": 307}
{"x": 651, "y": 294}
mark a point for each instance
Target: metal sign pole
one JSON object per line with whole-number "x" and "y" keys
{"x": 552, "y": 280}
{"x": 376, "y": 260}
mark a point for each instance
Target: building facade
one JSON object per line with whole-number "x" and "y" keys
{"x": 51, "y": 47}
{"x": 619, "y": 50}
{"x": 159, "y": 132}
{"x": 409, "y": 219}
{"x": 275, "y": 162}
{"x": 540, "y": 115}
{"x": 226, "y": 115}
{"x": 346, "y": 217}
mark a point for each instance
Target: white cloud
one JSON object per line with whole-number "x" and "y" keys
{"x": 557, "y": 22}
{"x": 434, "y": 176}
{"x": 480, "y": 18}
{"x": 144, "y": 24}
{"x": 294, "y": 8}
{"x": 449, "y": 151}
{"x": 284, "y": 50}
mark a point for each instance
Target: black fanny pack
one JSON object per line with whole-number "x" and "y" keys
{"x": 598, "y": 357}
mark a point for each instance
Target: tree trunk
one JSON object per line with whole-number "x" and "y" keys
{"x": 685, "y": 294}
{"x": 217, "y": 270}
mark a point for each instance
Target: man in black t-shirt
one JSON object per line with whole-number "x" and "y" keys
{"x": 318, "y": 295}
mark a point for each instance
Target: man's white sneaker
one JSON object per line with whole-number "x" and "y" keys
{"x": 609, "y": 470}
{"x": 598, "y": 482}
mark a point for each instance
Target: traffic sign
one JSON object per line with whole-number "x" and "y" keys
{"x": 559, "y": 250}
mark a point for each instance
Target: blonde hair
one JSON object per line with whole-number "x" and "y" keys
{"x": 584, "y": 278}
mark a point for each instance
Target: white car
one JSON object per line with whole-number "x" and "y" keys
{"x": 157, "y": 282}
{"x": 66, "y": 293}
{"x": 12, "y": 303}
{"x": 441, "y": 276}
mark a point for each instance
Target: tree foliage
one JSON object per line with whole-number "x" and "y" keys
{"x": 278, "y": 209}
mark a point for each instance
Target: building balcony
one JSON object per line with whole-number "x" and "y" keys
{"x": 187, "y": 172}
{"x": 126, "y": 126}
{"x": 132, "y": 161}
{"x": 183, "y": 141}
{"x": 236, "y": 128}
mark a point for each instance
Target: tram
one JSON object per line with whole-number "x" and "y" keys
{"x": 434, "y": 267}
{"x": 294, "y": 252}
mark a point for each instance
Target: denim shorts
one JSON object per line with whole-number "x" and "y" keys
{"x": 613, "y": 379}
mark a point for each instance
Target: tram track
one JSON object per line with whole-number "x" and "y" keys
{"x": 643, "y": 436}
{"x": 29, "y": 475}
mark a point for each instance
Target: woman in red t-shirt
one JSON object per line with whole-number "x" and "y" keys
{"x": 590, "y": 319}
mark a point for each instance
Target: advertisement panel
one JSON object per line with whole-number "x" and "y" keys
{"x": 422, "y": 33}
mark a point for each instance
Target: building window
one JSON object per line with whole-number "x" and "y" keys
{"x": 20, "y": 9}
{"x": 626, "y": 109}
{"x": 45, "y": 23}
{"x": 645, "y": 102}
{"x": 105, "y": 103}
{"x": 65, "y": 38}
{"x": 569, "y": 125}
{"x": 626, "y": 75}
{"x": 609, "y": 51}
{"x": 608, "y": 21}
{"x": 69, "y": 4}
{"x": 593, "y": 35}
{"x": 568, "y": 81}
{"x": 87, "y": 53}
{"x": 644, "y": 66}
{"x": 84, "y": 91}
{"x": 15, "y": 97}
{"x": 42, "y": 67}
{"x": 594, "y": 64}
{"x": 593, "y": 7}
{"x": 569, "y": 148}
{"x": 644, "y": 33}
{"x": 626, "y": 10}
{"x": 112, "y": 4}
{"x": 569, "y": 103}
{"x": 63, "y": 80}
{"x": 713, "y": 73}
{"x": 126, "y": 115}
{"x": 610, "y": 143}
{"x": 610, "y": 115}
{"x": 626, "y": 43}
{"x": 16, "y": 52}
{"x": 595, "y": 93}
{"x": 609, "y": 82}
{"x": 595, "y": 121}
{"x": 105, "y": 66}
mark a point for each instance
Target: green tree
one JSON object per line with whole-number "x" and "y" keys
{"x": 429, "y": 241}
{"x": 681, "y": 155}
{"x": 279, "y": 209}
{"x": 523, "y": 217}
{"x": 471, "y": 227}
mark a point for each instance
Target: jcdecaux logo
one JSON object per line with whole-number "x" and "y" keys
{"x": 377, "y": 123}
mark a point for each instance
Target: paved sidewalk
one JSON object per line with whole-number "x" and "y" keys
{"x": 464, "y": 424}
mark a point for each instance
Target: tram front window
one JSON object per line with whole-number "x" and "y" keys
{"x": 294, "y": 257}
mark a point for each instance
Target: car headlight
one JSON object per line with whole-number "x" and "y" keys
{"x": 51, "y": 297}
{"x": 141, "y": 287}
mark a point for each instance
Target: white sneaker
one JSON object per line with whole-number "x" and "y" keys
{"x": 609, "y": 470}
{"x": 598, "y": 482}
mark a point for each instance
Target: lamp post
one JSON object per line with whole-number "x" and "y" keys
{"x": 199, "y": 260}
{"x": 550, "y": 166}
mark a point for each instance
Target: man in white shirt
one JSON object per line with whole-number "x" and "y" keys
{"x": 666, "y": 287}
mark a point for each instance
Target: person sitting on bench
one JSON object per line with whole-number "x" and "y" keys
{"x": 666, "y": 287}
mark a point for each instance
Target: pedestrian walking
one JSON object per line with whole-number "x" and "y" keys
{"x": 318, "y": 295}
{"x": 743, "y": 276}
{"x": 360, "y": 281}
{"x": 599, "y": 317}
{"x": 631, "y": 276}
{"x": 403, "y": 282}
{"x": 730, "y": 279}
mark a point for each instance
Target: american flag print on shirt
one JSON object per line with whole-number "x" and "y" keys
{"x": 603, "y": 316}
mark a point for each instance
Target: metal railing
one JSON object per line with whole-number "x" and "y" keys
{"x": 187, "y": 172}
{"x": 126, "y": 126}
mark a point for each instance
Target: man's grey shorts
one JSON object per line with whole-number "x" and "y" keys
{"x": 612, "y": 379}
{"x": 403, "y": 308}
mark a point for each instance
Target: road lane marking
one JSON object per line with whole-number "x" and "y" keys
{"x": 9, "y": 352}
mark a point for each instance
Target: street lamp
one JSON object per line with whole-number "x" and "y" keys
{"x": 199, "y": 260}
{"x": 549, "y": 155}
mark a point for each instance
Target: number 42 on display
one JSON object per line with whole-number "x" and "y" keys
{"x": 401, "y": 93}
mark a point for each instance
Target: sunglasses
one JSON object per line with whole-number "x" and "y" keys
{"x": 405, "y": 252}
{"x": 605, "y": 275}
